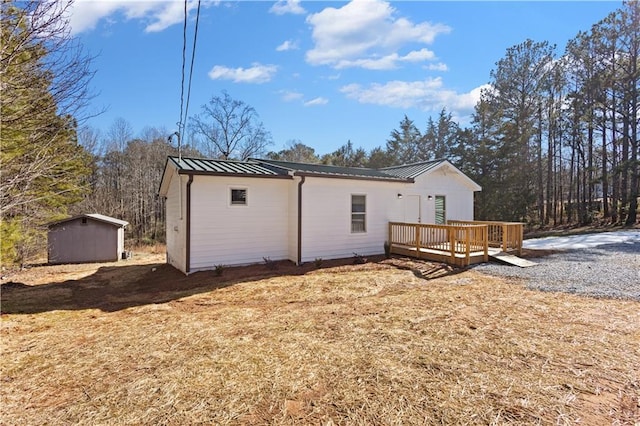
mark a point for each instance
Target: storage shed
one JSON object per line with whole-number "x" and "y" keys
{"x": 86, "y": 238}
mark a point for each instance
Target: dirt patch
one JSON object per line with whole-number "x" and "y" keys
{"x": 537, "y": 253}
{"x": 144, "y": 279}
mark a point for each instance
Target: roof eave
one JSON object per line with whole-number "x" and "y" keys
{"x": 249, "y": 175}
{"x": 70, "y": 219}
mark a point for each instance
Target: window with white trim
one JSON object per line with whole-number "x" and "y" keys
{"x": 238, "y": 196}
{"x": 358, "y": 213}
{"x": 441, "y": 210}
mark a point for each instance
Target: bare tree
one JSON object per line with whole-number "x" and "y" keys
{"x": 230, "y": 128}
{"x": 296, "y": 152}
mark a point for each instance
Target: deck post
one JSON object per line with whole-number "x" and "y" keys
{"x": 505, "y": 232}
{"x": 417, "y": 235}
{"x": 485, "y": 233}
{"x": 452, "y": 244}
{"x": 468, "y": 242}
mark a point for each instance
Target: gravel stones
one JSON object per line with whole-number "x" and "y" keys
{"x": 609, "y": 270}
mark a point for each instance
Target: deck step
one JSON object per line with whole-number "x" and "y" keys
{"x": 511, "y": 259}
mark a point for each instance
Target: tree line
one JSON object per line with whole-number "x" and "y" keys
{"x": 553, "y": 139}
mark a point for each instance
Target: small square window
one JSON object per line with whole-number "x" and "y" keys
{"x": 238, "y": 197}
{"x": 84, "y": 220}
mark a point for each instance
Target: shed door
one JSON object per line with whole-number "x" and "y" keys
{"x": 412, "y": 209}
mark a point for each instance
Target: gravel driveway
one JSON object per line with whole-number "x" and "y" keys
{"x": 600, "y": 265}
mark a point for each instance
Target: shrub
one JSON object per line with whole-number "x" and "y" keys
{"x": 318, "y": 262}
{"x": 219, "y": 269}
{"x": 270, "y": 264}
{"x": 358, "y": 259}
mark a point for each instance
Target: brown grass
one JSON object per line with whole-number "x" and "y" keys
{"x": 366, "y": 344}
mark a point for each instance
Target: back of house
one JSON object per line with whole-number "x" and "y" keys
{"x": 224, "y": 212}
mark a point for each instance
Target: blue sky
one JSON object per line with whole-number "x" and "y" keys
{"x": 319, "y": 72}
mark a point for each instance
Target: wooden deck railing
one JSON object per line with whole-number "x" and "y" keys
{"x": 457, "y": 243}
{"x": 505, "y": 235}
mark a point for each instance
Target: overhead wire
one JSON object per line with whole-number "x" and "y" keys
{"x": 193, "y": 57}
{"x": 184, "y": 62}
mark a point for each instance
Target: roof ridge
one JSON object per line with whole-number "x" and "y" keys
{"x": 417, "y": 163}
{"x": 247, "y": 161}
{"x": 313, "y": 164}
{"x": 330, "y": 169}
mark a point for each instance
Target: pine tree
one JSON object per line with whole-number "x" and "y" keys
{"x": 44, "y": 81}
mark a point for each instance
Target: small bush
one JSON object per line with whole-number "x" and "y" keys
{"x": 270, "y": 264}
{"x": 359, "y": 259}
{"x": 219, "y": 270}
{"x": 318, "y": 262}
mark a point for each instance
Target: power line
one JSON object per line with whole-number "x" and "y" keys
{"x": 184, "y": 61}
{"x": 184, "y": 107}
{"x": 193, "y": 57}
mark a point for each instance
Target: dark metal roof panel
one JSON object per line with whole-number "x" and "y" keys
{"x": 334, "y": 171}
{"x": 413, "y": 170}
{"x": 230, "y": 167}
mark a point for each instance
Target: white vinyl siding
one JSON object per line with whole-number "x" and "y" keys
{"x": 327, "y": 217}
{"x": 441, "y": 210}
{"x": 224, "y": 234}
{"x": 175, "y": 224}
{"x": 358, "y": 213}
{"x": 458, "y": 197}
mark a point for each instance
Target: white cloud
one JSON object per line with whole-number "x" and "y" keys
{"x": 287, "y": 45}
{"x": 437, "y": 67}
{"x": 288, "y": 96}
{"x": 387, "y": 62}
{"x": 157, "y": 14}
{"x": 282, "y": 7}
{"x": 428, "y": 95}
{"x": 367, "y": 33}
{"x": 257, "y": 74}
{"x": 316, "y": 101}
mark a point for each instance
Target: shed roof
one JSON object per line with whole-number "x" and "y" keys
{"x": 95, "y": 216}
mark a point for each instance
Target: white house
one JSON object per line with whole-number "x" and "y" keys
{"x": 222, "y": 212}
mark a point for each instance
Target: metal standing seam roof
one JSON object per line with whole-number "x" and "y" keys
{"x": 334, "y": 171}
{"x": 274, "y": 168}
{"x": 413, "y": 170}
{"x": 230, "y": 167}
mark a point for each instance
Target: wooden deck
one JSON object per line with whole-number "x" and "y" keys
{"x": 458, "y": 243}
{"x": 506, "y": 236}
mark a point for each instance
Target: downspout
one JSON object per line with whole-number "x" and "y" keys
{"x": 179, "y": 190}
{"x": 188, "y": 227}
{"x": 300, "y": 220}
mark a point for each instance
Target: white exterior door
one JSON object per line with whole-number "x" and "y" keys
{"x": 412, "y": 210}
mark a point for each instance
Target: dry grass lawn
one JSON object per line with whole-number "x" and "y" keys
{"x": 372, "y": 344}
